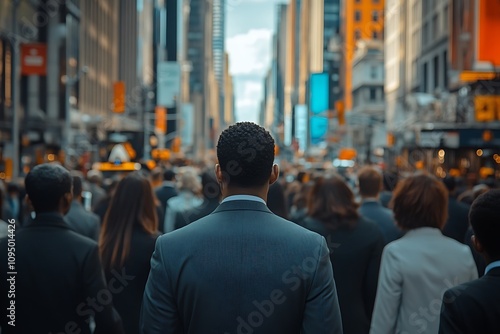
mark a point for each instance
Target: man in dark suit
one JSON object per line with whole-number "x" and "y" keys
{"x": 390, "y": 180}
{"x": 370, "y": 185}
{"x": 211, "y": 194}
{"x": 167, "y": 190}
{"x": 474, "y": 307}
{"x": 59, "y": 283}
{"x": 80, "y": 220}
{"x": 242, "y": 269}
{"x": 457, "y": 224}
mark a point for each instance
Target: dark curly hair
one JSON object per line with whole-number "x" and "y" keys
{"x": 246, "y": 154}
{"x": 483, "y": 217}
{"x": 45, "y": 186}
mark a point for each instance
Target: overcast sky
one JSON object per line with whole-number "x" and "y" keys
{"x": 249, "y": 29}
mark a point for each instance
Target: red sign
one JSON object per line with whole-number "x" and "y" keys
{"x": 34, "y": 59}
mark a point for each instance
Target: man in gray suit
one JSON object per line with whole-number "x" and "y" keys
{"x": 242, "y": 269}
{"x": 80, "y": 220}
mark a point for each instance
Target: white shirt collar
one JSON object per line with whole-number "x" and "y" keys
{"x": 244, "y": 198}
{"x": 492, "y": 265}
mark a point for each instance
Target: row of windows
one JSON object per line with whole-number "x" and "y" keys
{"x": 374, "y": 34}
{"x": 375, "y": 16}
{"x": 439, "y": 73}
{"x": 368, "y": 94}
{"x": 372, "y": 1}
{"x": 433, "y": 29}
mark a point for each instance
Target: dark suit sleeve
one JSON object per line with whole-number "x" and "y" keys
{"x": 371, "y": 275}
{"x": 107, "y": 319}
{"x": 322, "y": 312}
{"x": 97, "y": 228}
{"x": 159, "y": 311}
{"x": 451, "y": 317}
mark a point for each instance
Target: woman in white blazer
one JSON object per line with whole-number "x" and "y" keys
{"x": 417, "y": 269}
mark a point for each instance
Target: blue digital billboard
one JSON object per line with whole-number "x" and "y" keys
{"x": 318, "y": 90}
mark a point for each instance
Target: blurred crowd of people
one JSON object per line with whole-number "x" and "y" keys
{"x": 396, "y": 243}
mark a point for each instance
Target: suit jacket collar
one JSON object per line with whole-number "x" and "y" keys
{"x": 242, "y": 206}
{"x": 495, "y": 272}
{"x": 424, "y": 231}
{"x": 370, "y": 202}
{"x": 49, "y": 219}
{"x": 76, "y": 204}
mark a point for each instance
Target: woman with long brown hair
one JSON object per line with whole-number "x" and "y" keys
{"x": 355, "y": 249}
{"x": 128, "y": 236}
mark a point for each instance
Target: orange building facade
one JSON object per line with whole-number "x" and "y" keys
{"x": 362, "y": 19}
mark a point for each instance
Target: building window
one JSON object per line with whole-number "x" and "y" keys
{"x": 357, "y": 16}
{"x": 375, "y": 1}
{"x": 358, "y": 1}
{"x": 373, "y": 72}
{"x": 445, "y": 19}
{"x": 375, "y": 16}
{"x": 375, "y": 34}
{"x": 424, "y": 78}
{"x": 435, "y": 25}
{"x": 414, "y": 71}
{"x": 445, "y": 69}
{"x": 425, "y": 34}
{"x": 357, "y": 34}
{"x": 425, "y": 8}
{"x": 436, "y": 72}
{"x": 373, "y": 94}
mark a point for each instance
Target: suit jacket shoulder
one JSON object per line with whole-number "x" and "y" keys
{"x": 240, "y": 255}
{"x": 472, "y": 307}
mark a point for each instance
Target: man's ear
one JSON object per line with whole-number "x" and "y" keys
{"x": 66, "y": 202}
{"x": 218, "y": 173}
{"x": 477, "y": 245}
{"x": 275, "y": 173}
{"x": 27, "y": 200}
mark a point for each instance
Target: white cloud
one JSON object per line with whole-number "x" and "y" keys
{"x": 250, "y": 53}
{"x": 248, "y": 98}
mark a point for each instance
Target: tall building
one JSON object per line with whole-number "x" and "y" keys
{"x": 281, "y": 50}
{"x": 332, "y": 61}
{"x": 203, "y": 86}
{"x": 433, "y": 60}
{"x": 308, "y": 43}
{"x": 228, "y": 93}
{"x": 136, "y": 68}
{"x": 395, "y": 61}
{"x": 44, "y": 103}
{"x": 218, "y": 39}
{"x": 366, "y": 121}
{"x": 100, "y": 49}
{"x": 218, "y": 50}
{"x": 362, "y": 19}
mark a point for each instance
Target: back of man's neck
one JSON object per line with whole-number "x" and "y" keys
{"x": 245, "y": 192}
